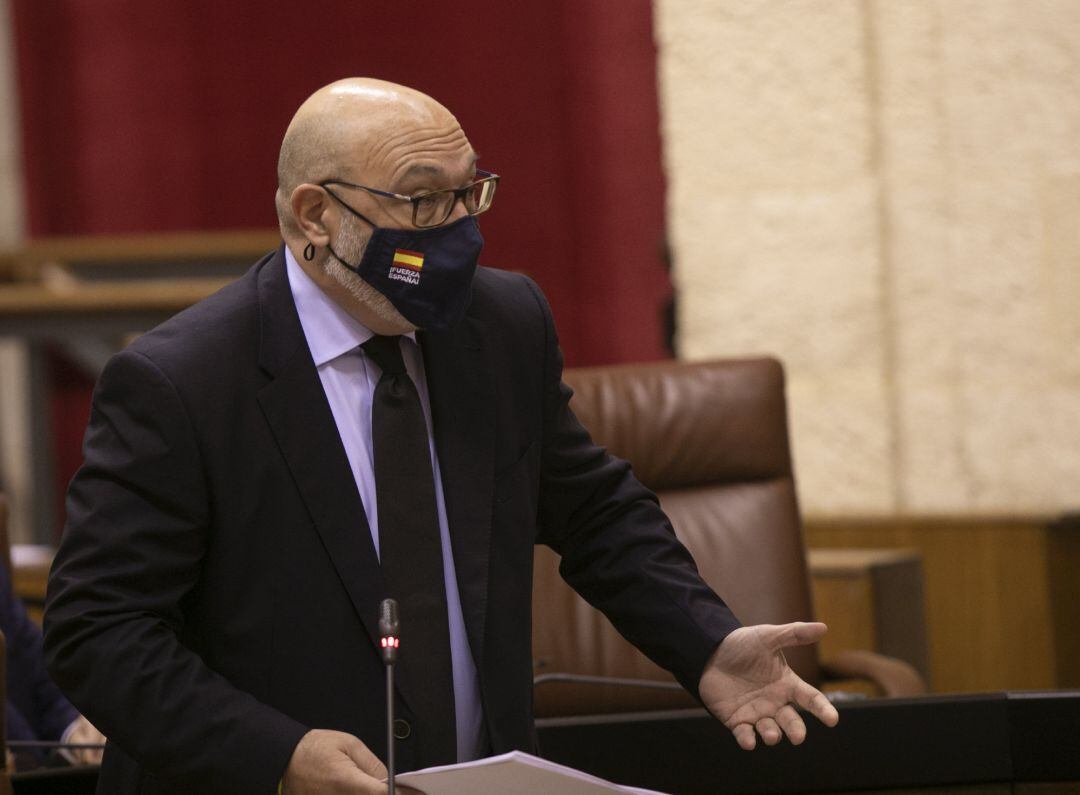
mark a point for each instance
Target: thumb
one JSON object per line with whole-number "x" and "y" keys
{"x": 797, "y": 633}
{"x": 364, "y": 759}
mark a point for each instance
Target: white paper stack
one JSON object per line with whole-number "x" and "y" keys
{"x": 515, "y": 773}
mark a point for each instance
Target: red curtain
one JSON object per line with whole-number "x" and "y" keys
{"x": 148, "y": 116}
{"x": 167, "y": 115}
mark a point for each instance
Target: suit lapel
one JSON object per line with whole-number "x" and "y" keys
{"x": 298, "y": 413}
{"x": 461, "y": 390}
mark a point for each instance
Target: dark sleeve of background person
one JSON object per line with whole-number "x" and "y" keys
{"x": 35, "y": 708}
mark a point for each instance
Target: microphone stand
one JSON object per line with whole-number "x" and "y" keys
{"x": 389, "y": 641}
{"x": 390, "y": 728}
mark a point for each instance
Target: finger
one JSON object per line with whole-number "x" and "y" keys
{"x": 797, "y": 633}
{"x": 813, "y": 701}
{"x": 744, "y": 736}
{"x": 769, "y": 731}
{"x": 791, "y": 724}
{"x": 364, "y": 759}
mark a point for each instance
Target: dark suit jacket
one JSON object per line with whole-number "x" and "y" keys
{"x": 216, "y": 590}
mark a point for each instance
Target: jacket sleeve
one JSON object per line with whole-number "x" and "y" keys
{"x": 617, "y": 546}
{"x": 132, "y": 549}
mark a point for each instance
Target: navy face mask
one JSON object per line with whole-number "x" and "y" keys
{"x": 425, "y": 273}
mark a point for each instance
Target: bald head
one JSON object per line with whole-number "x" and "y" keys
{"x": 352, "y": 126}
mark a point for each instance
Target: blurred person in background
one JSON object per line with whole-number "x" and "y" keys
{"x": 35, "y": 709}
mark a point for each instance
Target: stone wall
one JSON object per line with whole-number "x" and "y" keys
{"x": 885, "y": 194}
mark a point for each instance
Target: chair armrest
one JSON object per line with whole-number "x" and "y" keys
{"x": 893, "y": 677}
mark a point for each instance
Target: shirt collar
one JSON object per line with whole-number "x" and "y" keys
{"x": 329, "y": 329}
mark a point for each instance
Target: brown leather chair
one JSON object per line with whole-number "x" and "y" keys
{"x": 711, "y": 440}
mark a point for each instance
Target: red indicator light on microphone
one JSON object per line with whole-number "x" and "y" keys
{"x": 390, "y": 642}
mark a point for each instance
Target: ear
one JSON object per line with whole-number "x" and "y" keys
{"x": 310, "y": 206}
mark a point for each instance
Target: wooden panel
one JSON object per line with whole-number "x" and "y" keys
{"x": 105, "y": 297}
{"x": 247, "y": 244}
{"x": 871, "y": 599}
{"x": 30, "y": 576}
{"x": 1064, "y": 555}
{"x": 844, "y": 601}
{"x": 990, "y": 613}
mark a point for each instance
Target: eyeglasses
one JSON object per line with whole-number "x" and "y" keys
{"x": 434, "y": 207}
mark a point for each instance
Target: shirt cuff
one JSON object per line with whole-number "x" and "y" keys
{"x": 66, "y": 736}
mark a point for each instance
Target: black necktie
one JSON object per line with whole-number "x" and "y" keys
{"x": 410, "y": 549}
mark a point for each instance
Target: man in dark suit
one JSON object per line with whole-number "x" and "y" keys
{"x": 213, "y": 606}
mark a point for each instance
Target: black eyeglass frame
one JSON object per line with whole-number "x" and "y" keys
{"x": 459, "y": 194}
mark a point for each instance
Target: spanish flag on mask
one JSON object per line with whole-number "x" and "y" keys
{"x": 413, "y": 260}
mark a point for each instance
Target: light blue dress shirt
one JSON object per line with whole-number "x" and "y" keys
{"x": 348, "y": 379}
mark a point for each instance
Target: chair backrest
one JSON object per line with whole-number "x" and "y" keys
{"x": 711, "y": 440}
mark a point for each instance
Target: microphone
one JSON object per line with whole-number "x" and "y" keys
{"x": 389, "y": 629}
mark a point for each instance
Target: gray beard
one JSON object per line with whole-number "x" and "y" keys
{"x": 350, "y": 246}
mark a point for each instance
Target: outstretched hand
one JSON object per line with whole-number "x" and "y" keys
{"x": 748, "y": 685}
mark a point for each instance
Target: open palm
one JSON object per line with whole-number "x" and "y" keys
{"x": 748, "y": 685}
